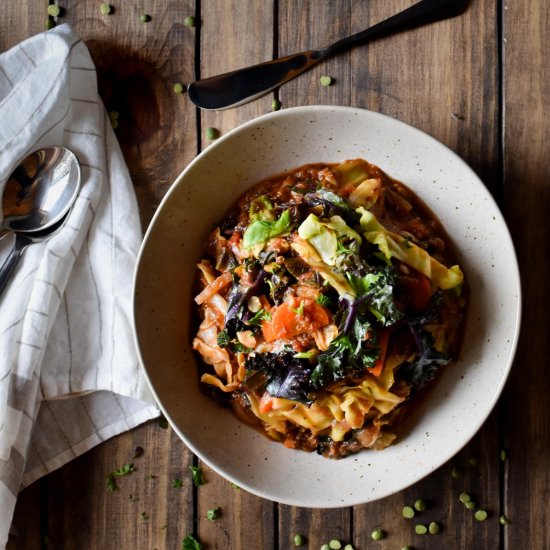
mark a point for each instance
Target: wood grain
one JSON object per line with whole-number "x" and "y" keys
{"x": 137, "y": 65}
{"x": 458, "y": 80}
{"x": 527, "y": 198}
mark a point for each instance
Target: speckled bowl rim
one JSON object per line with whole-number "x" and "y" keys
{"x": 462, "y": 397}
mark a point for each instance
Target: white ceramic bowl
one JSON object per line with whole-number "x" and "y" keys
{"x": 462, "y": 397}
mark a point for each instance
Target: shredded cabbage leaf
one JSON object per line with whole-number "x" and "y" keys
{"x": 392, "y": 245}
{"x": 326, "y": 236}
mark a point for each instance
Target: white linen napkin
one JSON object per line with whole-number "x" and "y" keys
{"x": 69, "y": 372}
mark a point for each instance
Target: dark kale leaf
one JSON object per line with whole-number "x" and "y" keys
{"x": 424, "y": 367}
{"x": 223, "y": 339}
{"x": 332, "y": 205}
{"x": 278, "y": 282}
{"x": 286, "y": 376}
{"x": 381, "y": 298}
{"x": 345, "y": 355}
{"x": 375, "y": 291}
{"x": 233, "y": 322}
{"x": 373, "y": 306}
{"x": 237, "y": 300}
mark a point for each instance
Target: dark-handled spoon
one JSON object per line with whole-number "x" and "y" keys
{"x": 243, "y": 85}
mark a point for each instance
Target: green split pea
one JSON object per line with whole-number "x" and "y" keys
{"x": 212, "y": 133}
{"x": 54, "y": 10}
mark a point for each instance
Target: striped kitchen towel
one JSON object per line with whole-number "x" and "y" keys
{"x": 69, "y": 372}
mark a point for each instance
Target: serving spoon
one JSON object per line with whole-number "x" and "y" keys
{"x": 40, "y": 190}
{"x": 243, "y": 85}
{"x": 37, "y": 199}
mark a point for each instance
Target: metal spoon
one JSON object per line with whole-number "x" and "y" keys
{"x": 40, "y": 190}
{"x": 22, "y": 240}
{"x": 243, "y": 85}
{"x": 37, "y": 199}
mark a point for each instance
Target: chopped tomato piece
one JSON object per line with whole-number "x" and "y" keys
{"x": 417, "y": 290}
{"x": 294, "y": 317}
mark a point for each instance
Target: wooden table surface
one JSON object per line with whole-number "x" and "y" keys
{"x": 480, "y": 83}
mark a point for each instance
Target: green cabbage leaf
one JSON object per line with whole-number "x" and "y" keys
{"x": 392, "y": 245}
{"x": 329, "y": 237}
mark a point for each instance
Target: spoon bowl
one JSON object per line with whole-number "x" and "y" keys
{"x": 40, "y": 191}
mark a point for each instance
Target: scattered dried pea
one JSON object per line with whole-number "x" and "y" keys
{"x": 456, "y": 473}
{"x": 480, "y": 515}
{"x": 503, "y": 455}
{"x": 335, "y": 544}
{"x": 378, "y": 534}
{"x": 420, "y": 529}
{"x": 464, "y": 498}
{"x": 275, "y": 105}
{"x": 408, "y": 512}
{"x": 213, "y": 514}
{"x": 50, "y": 23}
{"x": 105, "y": 8}
{"x": 212, "y": 133}
{"x": 434, "y": 528}
{"x": 298, "y": 540}
{"x": 189, "y": 21}
{"x": 470, "y": 505}
{"x": 178, "y": 88}
{"x": 325, "y": 80}
{"x": 504, "y": 520}
{"x": 349, "y": 547}
{"x": 420, "y": 505}
{"x": 54, "y": 10}
{"x": 145, "y": 18}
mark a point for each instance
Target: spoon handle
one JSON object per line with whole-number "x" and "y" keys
{"x": 243, "y": 85}
{"x": 7, "y": 269}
